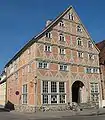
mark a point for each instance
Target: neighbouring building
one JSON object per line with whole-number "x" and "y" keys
{"x": 58, "y": 66}
{"x": 2, "y": 89}
{"x": 101, "y": 46}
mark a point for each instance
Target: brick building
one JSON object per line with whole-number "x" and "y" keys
{"x": 57, "y": 66}
{"x": 101, "y": 46}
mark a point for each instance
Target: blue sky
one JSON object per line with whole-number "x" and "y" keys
{"x": 20, "y": 20}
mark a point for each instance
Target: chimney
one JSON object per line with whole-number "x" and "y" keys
{"x": 48, "y": 22}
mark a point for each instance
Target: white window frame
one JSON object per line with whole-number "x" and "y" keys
{"x": 90, "y": 56}
{"x": 25, "y": 94}
{"x": 47, "y": 48}
{"x": 70, "y": 16}
{"x": 79, "y": 40}
{"x": 90, "y": 45}
{"x": 57, "y": 93}
{"x": 61, "y": 37}
{"x": 63, "y": 67}
{"x": 79, "y": 29}
{"x": 43, "y": 65}
{"x": 80, "y": 54}
{"x": 62, "y": 51}
{"x": 48, "y": 35}
{"x": 61, "y": 24}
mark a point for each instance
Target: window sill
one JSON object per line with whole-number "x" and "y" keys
{"x": 44, "y": 68}
{"x": 64, "y": 70}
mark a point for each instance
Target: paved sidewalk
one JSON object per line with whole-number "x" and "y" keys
{"x": 61, "y": 114}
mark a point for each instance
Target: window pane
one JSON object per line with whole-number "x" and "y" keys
{"x": 61, "y": 87}
{"x": 45, "y": 99}
{"x": 53, "y": 98}
{"x": 53, "y": 87}
{"x": 62, "y": 98}
{"x": 24, "y": 98}
{"x": 45, "y": 86}
{"x": 24, "y": 89}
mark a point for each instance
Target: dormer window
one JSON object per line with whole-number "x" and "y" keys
{"x": 61, "y": 24}
{"x": 90, "y": 45}
{"x": 79, "y": 42}
{"x": 61, "y": 37}
{"x": 48, "y": 35}
{"x": 71, "y": 17}
{"x": 79, "y": 29}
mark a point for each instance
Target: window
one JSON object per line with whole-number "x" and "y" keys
{"x": 71, "y": 17}
{"x": 80, "y": 54}
{"x": 53, "y": 87}
{"x": 62, "y": 51}
{"x": 47, "y": 48}
{"x": 48, "y": 35}
{"x": 95, "y": 70}
{"x": 94, "y": 92}
{"x": 62, "y": 98}
{"x": 61, "y": 24}
{"x": 45, "y": 86}
{"x": 64, "y": 67}
{"x": 61, "y": 87}
{"x": 53, "y": 92}
{"x": 61, "y": 37}
{"x": 79, "y": 42}
{"x": 91, "y": 56}
{"x": 45, "y": 99}
{"x": 90, "y": 45}
{"x": 79, "y": 29}
{"x": 24, "y": 94}
{"x": 88, "y": 70}
{"x": 43, "y": 65}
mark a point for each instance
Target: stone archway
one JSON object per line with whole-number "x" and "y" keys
{"x": 76, "y": 91}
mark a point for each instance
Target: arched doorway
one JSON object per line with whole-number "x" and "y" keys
{"x": 76, "y": 91}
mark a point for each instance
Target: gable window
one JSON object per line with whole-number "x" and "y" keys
{"x": 61, "y": 37}
{"x": 80, "y": 54}
{"x": 48, "y": 35}
{"x": 64, "y": 67}
{"x": 43, "y": 65}
{"x": 62, "y": 51}
{"x": 71, "y": 17}
{"x": 79, "y": 29}
{"x": 47, "y": 48}
{"x": 24, "y": 94}
{"x": 79, "y": 41}
{"x": 91, "y": 56}
{"x": 61, "y": 24}
{"x": 90, "y": 45}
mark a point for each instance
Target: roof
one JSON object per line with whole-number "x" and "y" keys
{"x": 35, "y": 38}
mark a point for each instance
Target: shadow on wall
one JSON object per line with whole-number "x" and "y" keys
{"x": 9, "y": 106}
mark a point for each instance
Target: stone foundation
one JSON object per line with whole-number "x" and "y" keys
{"x": 27, "y": 108}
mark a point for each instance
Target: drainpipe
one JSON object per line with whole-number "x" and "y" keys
{"x": 35, "y": 93}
